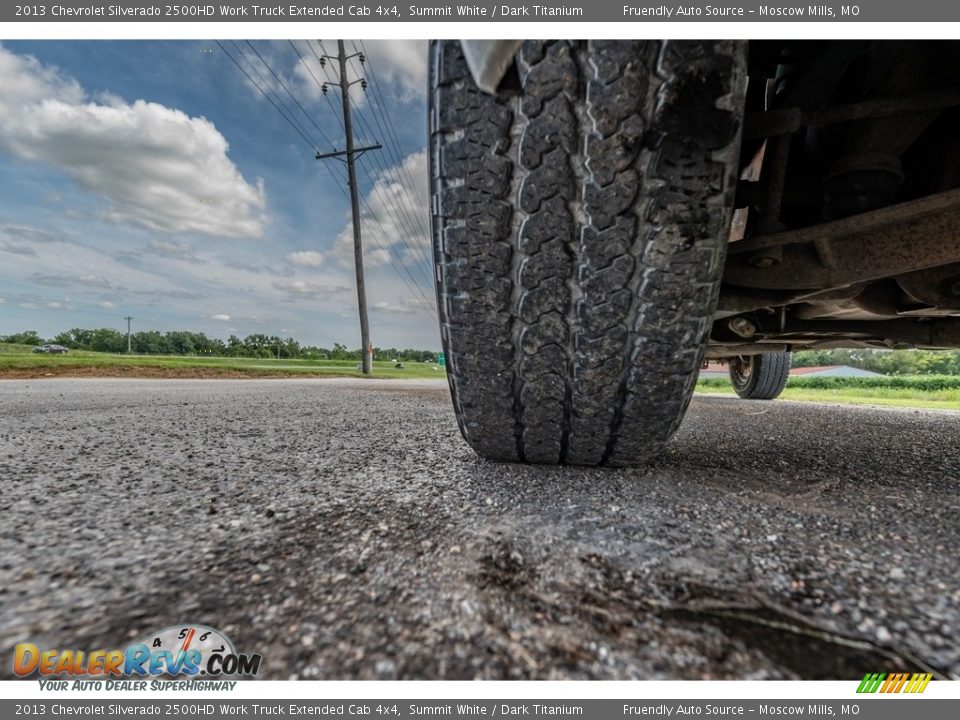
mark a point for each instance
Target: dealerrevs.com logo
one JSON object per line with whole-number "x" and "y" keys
{"x": 178, "y": 651}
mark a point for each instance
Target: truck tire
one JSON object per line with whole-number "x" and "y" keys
{"x": 580, "y": 231}
{"x": 760, "y": 377}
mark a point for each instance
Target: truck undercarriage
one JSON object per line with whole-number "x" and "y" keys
{"x": 846, "y": 231}
{"x": 609, "y": 213}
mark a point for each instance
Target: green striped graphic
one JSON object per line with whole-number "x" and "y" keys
{"x": 871, "y": 682}
{"x": 895, "y": 683}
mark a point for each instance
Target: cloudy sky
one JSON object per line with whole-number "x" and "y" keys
{"x": 154, "y": 179}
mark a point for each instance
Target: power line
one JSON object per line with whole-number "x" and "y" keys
{"x": 415, "y": 292}
{"x": 287, "y": 115}
{"x": 414, "y": 222}
{"x": 299, "y": 131}
{"x": 296, "y": 126}
{"x": 326, "y": 74}
{"x": 378, "y": 95}
{"x": 383, "y": 245}
{"x": 411, "y": 231}
{"x": 351, "y": 155}
{"x": 319, "y": 84}
{"x": 378, "y": 109}
{"x": 292, "y": 96}
{"x": 404, "y": 211}
{"x": 387, "y": 130}
{"x": 416, "y": 289}
{"x": 404, "y": 221}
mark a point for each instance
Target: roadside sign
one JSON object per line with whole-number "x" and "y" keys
{"x": 441, "y": 359}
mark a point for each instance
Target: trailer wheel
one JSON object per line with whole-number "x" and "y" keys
{"x": 760, "y": 377}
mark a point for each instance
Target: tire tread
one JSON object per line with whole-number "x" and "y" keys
{"x": 580, "y": 232}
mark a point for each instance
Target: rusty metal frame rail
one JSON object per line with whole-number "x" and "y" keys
{"x": 939, "y": 333}
{"x": 891, "y": 241}
{"x": 772, "y": 123}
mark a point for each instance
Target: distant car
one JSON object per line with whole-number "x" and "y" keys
{"x": 52, "y": 349}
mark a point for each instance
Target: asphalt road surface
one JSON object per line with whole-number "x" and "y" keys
{"x": 343, "y": 529}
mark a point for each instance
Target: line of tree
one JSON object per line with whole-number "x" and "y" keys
{"x": 887, "y": 362}
{"x": 185, "y": 342}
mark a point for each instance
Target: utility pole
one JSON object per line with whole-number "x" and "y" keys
{"x": 128, "y": 318}
{"x": 352, "y": 153}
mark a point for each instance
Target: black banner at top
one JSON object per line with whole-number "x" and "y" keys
{"x": 471, "y": 11}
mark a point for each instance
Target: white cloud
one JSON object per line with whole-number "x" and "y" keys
{"x": 20, "y": 240}
{"x": 403, "y": 62}
{"x": 404, "y": 306}
{"x": 428, "y": 304}
{"x": 221, "y": 317}
{"x": 385, "y": 307}
{"x": 26, "y": 81}
{"x": 65, "y": 265}
{"x": 61, "y": 265}
{"x": 6, "y": 246}
{"x": 156, "y": 166}
{"x": 72, "y": 279}
{"x": 307, "y": 290}
{"x": 22, "y": 233}
{"x": 306, "y": 258}
{"x": 148, "y": 272}
{"x": 400, "y": 66}
{"x": 395, "y": 222}
{"x": 53, "y": 305}
{"x": 174, "y": 249}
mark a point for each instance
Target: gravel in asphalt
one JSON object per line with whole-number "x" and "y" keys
{"x": 343, "y": 529}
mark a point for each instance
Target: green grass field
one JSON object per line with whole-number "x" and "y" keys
{"x": 20, "y": 361}
{"x": 918, "y": 391}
